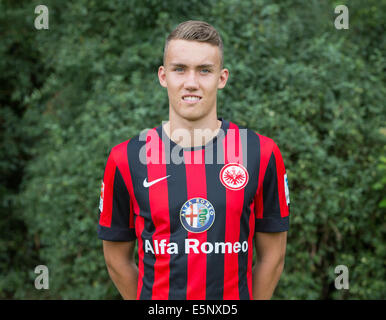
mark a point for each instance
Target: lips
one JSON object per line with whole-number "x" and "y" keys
{"x": 191, "y": 98}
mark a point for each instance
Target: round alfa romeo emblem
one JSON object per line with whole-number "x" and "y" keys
{"x": 234, "y": 176}
{"x": 197, "y": 215}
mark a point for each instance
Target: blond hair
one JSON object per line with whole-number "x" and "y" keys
{"x": 195, "y": 30}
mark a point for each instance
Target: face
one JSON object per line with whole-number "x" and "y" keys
{"x": 192, "y": 75}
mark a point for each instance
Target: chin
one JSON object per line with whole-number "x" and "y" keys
{"x": 192, "y": 116}
{"x": 190, "y": 113}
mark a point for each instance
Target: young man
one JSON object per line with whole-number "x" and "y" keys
{"x": 196, "y": 192}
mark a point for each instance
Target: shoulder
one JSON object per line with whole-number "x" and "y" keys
{"x": 256, "y": 140}
{"x": 267, "y": 145}
{"x": 118, "y": 153}
{"x": 133, "y": 145}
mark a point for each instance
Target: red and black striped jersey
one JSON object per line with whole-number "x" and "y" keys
{"x": 194, "y": 211}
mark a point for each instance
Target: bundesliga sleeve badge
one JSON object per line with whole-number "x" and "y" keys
{"x": 197, "y": 215}
{"x": 286, "y": 189}
{"x": 101, "y": 197}
{"x": 234, "y": 176}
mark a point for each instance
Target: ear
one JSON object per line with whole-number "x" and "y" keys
{"x": 162, "y": 76}
{"x": 222, "y": 81}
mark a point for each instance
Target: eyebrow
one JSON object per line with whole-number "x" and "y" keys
{"x": 201, "y": 66}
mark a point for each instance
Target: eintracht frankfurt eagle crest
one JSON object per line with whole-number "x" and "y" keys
{"x": 234, "y": 176}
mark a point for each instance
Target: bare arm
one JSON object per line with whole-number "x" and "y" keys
{"x": 270, "y": 249}
{"x": 119, "y": 257}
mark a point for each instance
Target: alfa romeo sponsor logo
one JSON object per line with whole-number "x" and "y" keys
{"x": 197, "y": 215}
{"x": 234, "y": 176}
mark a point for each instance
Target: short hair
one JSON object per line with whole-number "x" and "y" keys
{"x": 195, "y": 30}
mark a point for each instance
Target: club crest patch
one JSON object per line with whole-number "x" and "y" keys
{"x": 197, "y": 215}
{"x": 234, "y": 176}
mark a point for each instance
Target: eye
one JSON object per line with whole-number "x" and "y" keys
{"x": 178, "y": 69}
{"x": 205, "y": 71}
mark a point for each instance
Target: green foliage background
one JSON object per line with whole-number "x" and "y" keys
{"x": 70, "y": 93}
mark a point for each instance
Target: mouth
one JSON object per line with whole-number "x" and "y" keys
{"x": 191, "y": 99}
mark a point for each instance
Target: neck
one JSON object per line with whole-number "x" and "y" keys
{"x": 192, "y": 133}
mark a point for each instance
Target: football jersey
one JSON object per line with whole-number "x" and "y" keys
{"x": 194, "y": 211}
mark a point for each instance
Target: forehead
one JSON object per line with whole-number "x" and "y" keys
{"x": 192, "y": 53}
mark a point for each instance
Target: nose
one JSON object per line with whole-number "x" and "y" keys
{"x": 191, "y": 81}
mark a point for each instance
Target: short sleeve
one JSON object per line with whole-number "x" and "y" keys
{"x": 272, "y": 213}
{"x": 115, "y": 207}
